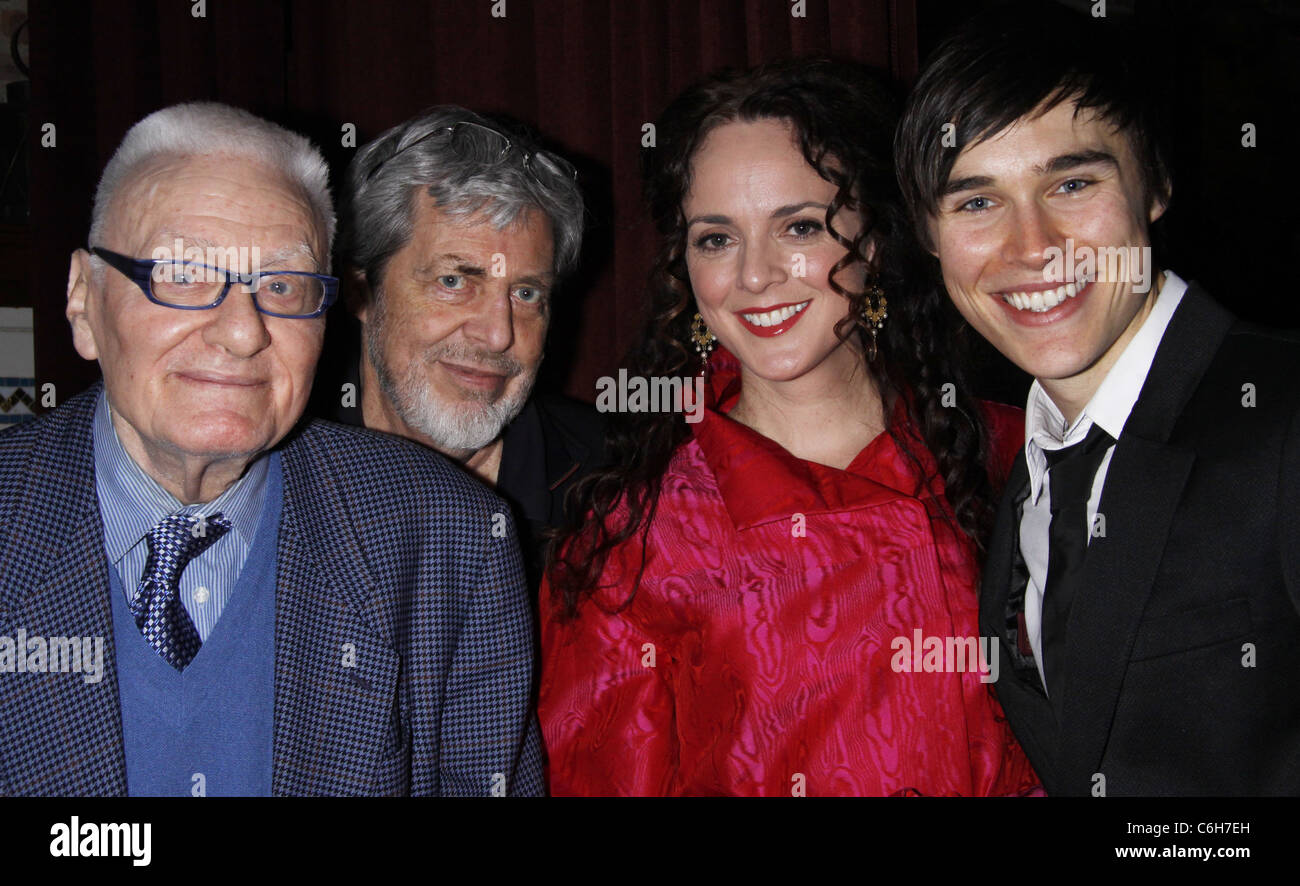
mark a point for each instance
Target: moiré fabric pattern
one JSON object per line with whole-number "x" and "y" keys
{"x": 755, "y": 657}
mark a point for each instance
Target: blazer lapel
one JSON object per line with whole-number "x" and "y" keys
{"x": 71, "y": 729}
{"x": 1019, "y": 689}
{"x": 1144, "y": 486}
{"x": 336, "y": 673}
{"x": 995, "y": 586}
{"x": 79, "y": 722}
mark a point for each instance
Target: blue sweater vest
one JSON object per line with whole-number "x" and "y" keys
{"x": 206, "y": 731}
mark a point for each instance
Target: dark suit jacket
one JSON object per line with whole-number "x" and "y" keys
{"x": 551, "y": 445}
{"x": 383, "y": 544}
{"x": 1182, "y": 658}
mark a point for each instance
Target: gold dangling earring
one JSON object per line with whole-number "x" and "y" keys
{"x": 703, "y": 339}
{"x": 873, "y": 316}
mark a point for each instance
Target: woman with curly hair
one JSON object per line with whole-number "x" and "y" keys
{"x": 750, "y": 604}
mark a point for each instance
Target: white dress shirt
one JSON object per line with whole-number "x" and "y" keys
{"x": 1045, "y": 430}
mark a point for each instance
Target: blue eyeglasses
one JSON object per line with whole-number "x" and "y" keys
{"x": 190, "y": 286}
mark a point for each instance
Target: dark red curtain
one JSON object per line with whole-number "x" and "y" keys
{"x": 587, "y": 74}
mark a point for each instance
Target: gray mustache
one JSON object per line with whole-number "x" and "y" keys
{"x": 477, "y": 359}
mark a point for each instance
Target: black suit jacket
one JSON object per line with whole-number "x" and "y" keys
{"x": 1182, "y": 657}
{"x": 552, "y": 444}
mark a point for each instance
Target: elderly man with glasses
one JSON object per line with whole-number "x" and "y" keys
{"x": 201, "y": 594}
{"x": 458, "y": 230}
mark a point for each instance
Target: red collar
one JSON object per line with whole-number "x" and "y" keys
{"x": 762, "y": 482}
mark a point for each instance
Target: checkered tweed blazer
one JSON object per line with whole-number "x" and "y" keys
{"x": 383, "y": 545}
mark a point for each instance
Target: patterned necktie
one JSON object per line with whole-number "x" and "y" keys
{"x": 157, "y": 607}
{"x": 1071, "y": 471}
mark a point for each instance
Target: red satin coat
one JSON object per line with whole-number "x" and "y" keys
{"x": 755, "y": 657}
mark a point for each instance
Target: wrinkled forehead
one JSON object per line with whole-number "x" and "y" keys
{"x": 214, "y": 201}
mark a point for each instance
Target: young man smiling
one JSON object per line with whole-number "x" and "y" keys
{"x": 1143, "y": 576}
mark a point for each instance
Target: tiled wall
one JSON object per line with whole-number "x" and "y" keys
{"x": 18, "y": 392}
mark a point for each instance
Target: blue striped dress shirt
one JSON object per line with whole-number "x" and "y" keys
{"x": 131, "y": 503}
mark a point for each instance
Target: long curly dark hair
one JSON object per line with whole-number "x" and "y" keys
{"x": 843, "y": 118}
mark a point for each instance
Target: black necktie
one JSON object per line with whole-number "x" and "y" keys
{"x": 1071, "y": 471}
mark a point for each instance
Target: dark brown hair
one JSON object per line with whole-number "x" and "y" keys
{"x": 843, "y": 119}
{"x": 1013, "y": 62}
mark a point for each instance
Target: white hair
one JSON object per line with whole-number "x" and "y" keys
{"x": 199, "y": 129}
{"x": 451, "y": 425}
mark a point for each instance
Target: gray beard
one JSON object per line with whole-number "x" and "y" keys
{"x": 465, "y": 425}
